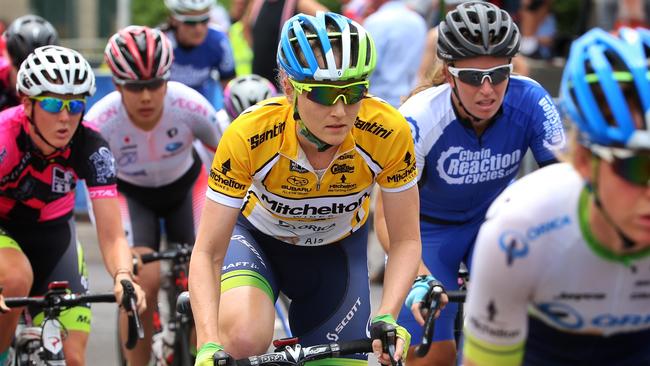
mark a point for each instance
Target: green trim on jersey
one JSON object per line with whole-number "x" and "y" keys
{"x": 593, "y": 243}
{"x": 76, "y": 318}
{"x": 8, "y": 242}
{"x": 337, "y": 362}
{"x": 245, "y": 277}
{"x": 490, "y": 354}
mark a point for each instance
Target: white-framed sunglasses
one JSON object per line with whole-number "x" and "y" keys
{"x": 476, "y": 77}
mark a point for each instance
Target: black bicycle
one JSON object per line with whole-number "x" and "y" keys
{"x": 171, "y": 340}
{"x": 43, "y": 345}
{"x": 289, "y": 352}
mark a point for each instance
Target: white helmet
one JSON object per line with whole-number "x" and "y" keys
{"x": 184, "y": 6}
{"x": 244, "y": 91}
{"x": 55, "y": 69}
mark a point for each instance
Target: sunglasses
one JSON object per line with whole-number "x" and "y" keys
{"x": 630, "y": 166}
{"x": 192, "y": 20}
{"x": 476, "y": 77}
{"x": 56, "y": 105}
{"x": 325, "y": 94}
{"x": 137, "y": 86}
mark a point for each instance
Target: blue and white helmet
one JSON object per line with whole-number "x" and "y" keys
{"x": 607, "y": 64}
{"x": 302, "y": 32}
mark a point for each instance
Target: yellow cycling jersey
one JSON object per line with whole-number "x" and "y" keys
{"x": 260, "y": 168}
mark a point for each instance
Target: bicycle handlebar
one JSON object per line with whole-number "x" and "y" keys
{"x": 298, "y": 355}
{"x": 57, "y": 298}
{"x": 180, "y": 254}
{"x": 433, "y": 304}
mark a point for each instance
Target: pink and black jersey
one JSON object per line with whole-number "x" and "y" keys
{"x": 38, "y": 188}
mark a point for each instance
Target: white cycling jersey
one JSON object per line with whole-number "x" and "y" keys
{"x": 162, "y": 155}
{"x": 536, "y": 256}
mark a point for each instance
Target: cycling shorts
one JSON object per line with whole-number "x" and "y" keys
{"x": 444, "y": 246}
{"x": 328, "y": 285}
{"x": 55, "y": 255}
{"x": 178, "y": 205}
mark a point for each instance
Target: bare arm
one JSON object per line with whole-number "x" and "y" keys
{"x": 403, "y": 228}
{"x": 213, "y": 237}
{"x": 114, "y": 247}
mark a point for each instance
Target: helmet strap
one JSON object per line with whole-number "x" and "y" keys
{"x": 628, "y": 243}
{"x": 320, "y": 144}
{"x": 30, "y": 118}
{"x": 472, "y": 117}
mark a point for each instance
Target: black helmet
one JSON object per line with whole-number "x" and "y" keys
{"x": 477, "y": 29}
{"x": 26, "y": 34}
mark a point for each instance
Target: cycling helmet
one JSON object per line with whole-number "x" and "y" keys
{"x": 184, "y": 6}
{"x": 245, "y": 91}
{"x": 302, "y": 32}
{"x": 601, "y": 63}
{"x": 57, "y": 70}
{"x": 27, "y": 33}
{"x": 477, "y": 29}
{"x": 139, "y": 53}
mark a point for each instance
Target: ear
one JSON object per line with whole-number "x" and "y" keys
{"x": 445, "y": 72}
{"x": 27, "y": 104}
{"x": 287, "y": 88}
{"x": 582, "y": 160}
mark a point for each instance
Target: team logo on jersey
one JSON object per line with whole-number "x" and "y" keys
{"x": 407, "y": 173}
{"x": 343, "y": 185}
{"x": 172, "y": 132}
{"x": 342, "y": 168}
{"x": 127, "y": 157}
{"x": 487, "y": 323}
{"x": 415, "y": 129}
{"x": 294, "y": 167}
{"x": 225, "y": 167}
{"x": 554, "y": 137}
{"x": 257, "y": 140}
{"x": 346, "y": 156}
{"x": 458, "y": 165}
{"x": 221, "y": 179}
{"x": 171, "y": 147}
{"x": 62, "y": 180}
{"x": 104, "y": 164}
{"x": 297, "y": 181}
{"x": 374, "y": 128}
{"x": 304, "y": 226}
{"x": 561, "y": 314}
{"x": 514, "y": 245}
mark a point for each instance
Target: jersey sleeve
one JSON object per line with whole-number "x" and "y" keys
{"x": 399, "y": 172}
{"x": 231, "y": 173}
{"x": 547, "y": 132}
{"x": 503, "y": 278}
{"x": 226, "y": 63}
{"x": 96, "y": 165}
{"x": 205, "y": 127}
{"x": 416, "y": 115}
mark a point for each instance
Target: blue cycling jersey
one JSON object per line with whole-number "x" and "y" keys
{"x": 461, "y": 173}
{"x": 196, "y": 66}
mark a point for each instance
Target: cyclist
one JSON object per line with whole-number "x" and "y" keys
{"x": 300, "y": 169}
{"x": 44, "y": 150}
{"x": 23, "y": 36}
{"x": 150, "y": 124}
{"x": 202, "y": 54}
{"x": 471, "y": 131}
{"x": 245, "y": 91}
{"x": 561, "y": 276}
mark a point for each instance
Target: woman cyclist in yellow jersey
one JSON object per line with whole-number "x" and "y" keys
{"x": 288, "y": 199}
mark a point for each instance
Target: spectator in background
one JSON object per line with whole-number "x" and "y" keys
{"x": 202, "y": 54}
{"x": 24, "y": 35}
{"x": 262, "y": 25}
{"x": 399, "y": 34}
{"x": 537, "y": 25}
{"x": 613, "y": 14}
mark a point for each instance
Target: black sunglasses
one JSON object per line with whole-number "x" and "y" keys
{"x": 136, "y": 86}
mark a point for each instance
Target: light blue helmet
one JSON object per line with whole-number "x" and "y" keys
{"x": 603, "y": 63}
{"x": 296, "y": 57}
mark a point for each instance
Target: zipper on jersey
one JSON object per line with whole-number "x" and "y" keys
{"x": 319, "y": 179}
